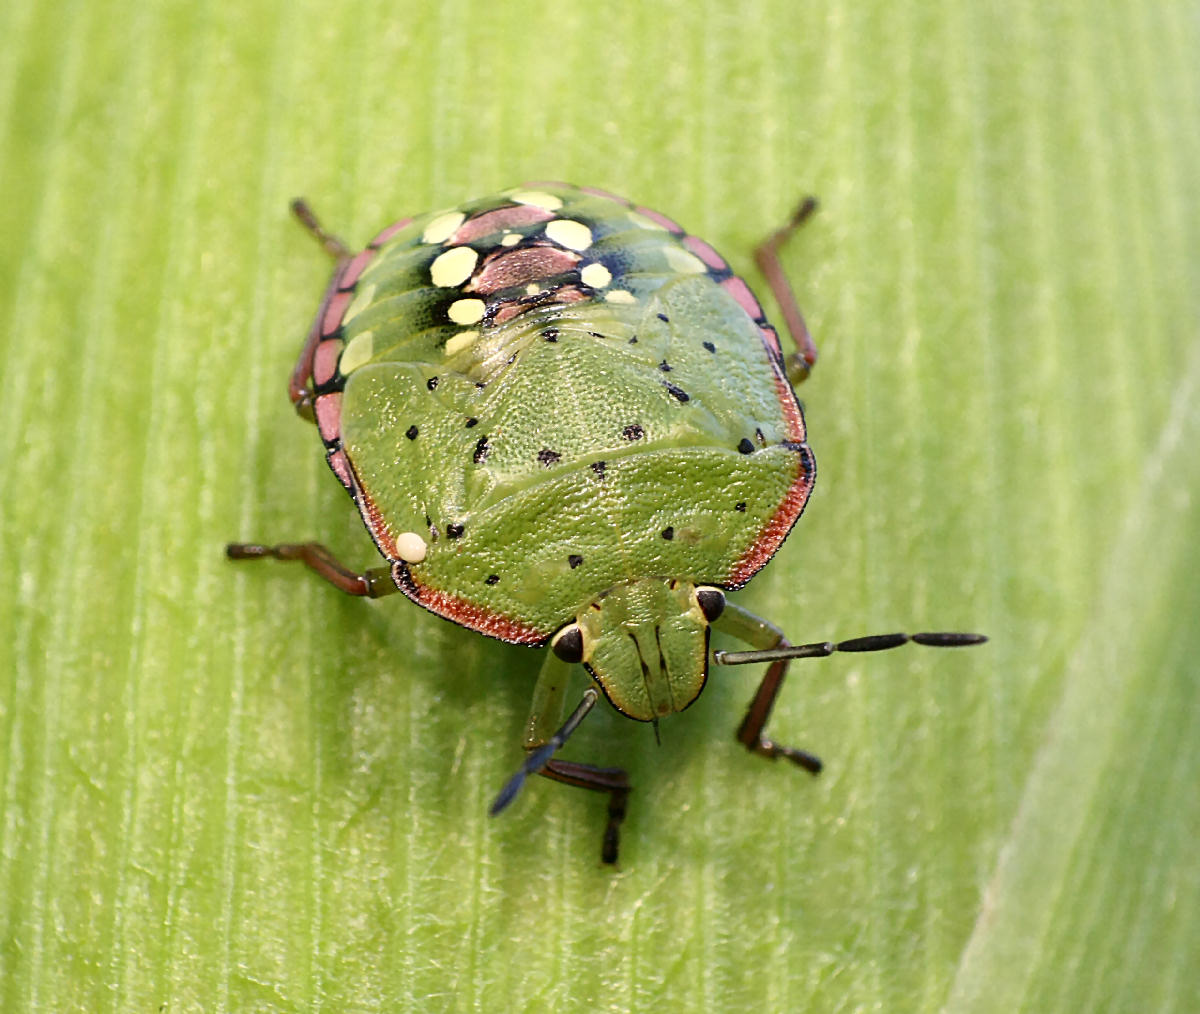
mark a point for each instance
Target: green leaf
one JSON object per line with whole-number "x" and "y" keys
{"x": 227, "y": 788}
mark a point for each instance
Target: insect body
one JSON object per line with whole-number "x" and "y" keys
{"x": 566, "y": 422}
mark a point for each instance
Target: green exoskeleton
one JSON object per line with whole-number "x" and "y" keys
{"x": 567, "y": 423}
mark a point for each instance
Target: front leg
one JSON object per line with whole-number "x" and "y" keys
{"x": 762, "y": 634}
{"x": 544, "y": 718}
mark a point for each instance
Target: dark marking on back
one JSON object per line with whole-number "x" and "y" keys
{"x": 664, "y": 366}
{"x": 668, "y": 533}
{"x": 676, "y": 392}
{"x": 550, "y": 334}
{"x": 491, "y": 579}
{"x": 740, "y": 506}
{"x": 472, "y": 422}
{"x": 710, "y": 346}
{"x": 454, "y": 531}
{"x": 481, "y": 450}
{"x": 598, "y": 467}
{"x": 633, "y": 431}
{"x": 548, "y": 457}
{"x": 574, "y": 560}
{"x": 746, "y": 446}
{"x": 664, "y": 318}
{"x": 432, "y": 383}
{"x": 411, "y": 433}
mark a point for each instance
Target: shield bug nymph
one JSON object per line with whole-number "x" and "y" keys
{"x": 568, "y": 424}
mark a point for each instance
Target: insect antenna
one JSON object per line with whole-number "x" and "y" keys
{"x": 820, "y": 649}
{"x": 540, "y": 757}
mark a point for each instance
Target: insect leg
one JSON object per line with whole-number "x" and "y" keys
{"x": 800, "y": 363}
{"x": 544, "y": 717}
{"x": 759, "y": 633}
{"x": 373, "y": 583}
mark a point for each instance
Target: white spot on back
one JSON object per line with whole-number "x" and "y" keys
{"x": 460, "y": 341}
{"x": 443, "y": 227}
{"x": 538, "y": 198}
{"x": 362, "y": 299}
{"x": 467, "y": 311}
{"x": 642, "y": 222}
{"x": 453, "y": 267}
{"x": 410, "y": 547}
{"x": 684, "y": 262}
{"x": 596, "y": 276}
{"x": 569, "y": 233}
{"x": 619, "y": 296}
{"x": 357, "y": 353}
{"x": 510, "y": 239}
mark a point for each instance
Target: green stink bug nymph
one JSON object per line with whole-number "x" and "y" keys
{"x": 567, "y": 424}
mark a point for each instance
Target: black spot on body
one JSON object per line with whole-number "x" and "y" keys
{"x": 676, "y": 392}
{"x": 664, "y": 366}
{"x": 793, "y": 445}
{"x": 759, "y": 433}
{"x": 550, "y": 334}
{"x": 481, "y": 450}
{"x": 633, "y": 340}
{"x": 633, "y": 431}
{"x": 432, "y": 383}
{"x": 491, "y": 579}
{"x": 454, "y": 531}
{"x": 472, "y": 422}
{"x": 746, "y": 446}
{"x": 411, "y": 433}
{"x": 668, "y": 533}
{"x": 574, "y": 560}
{"x": 548, "y": 457}
{"x": 664, "y": 318}
{"x": 598, "y": 467}
{"x": 710, "y": 346}
{"x": 740, "y": 507}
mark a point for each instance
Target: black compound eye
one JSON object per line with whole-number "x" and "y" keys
{"x": 568, "y": 643}
{"x": 711, "y": 602}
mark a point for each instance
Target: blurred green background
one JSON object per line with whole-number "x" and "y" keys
{"x": 229, "y": 788}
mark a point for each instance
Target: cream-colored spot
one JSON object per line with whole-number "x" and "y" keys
{"x": 410, "y": 547}
{"x": 462, "y": 340}
{"x": 684, "y": 262}
{"x": 642, "y": 222}
{"x": 362, "y": 299}
{"x": 443, "y": 227}
{"x": 510, "y": 239}
{"x": 571, "y": 234}
{"x": 596, "y": 276}
{"x": 538, "y": 198}
{"x": 532, "y": 289}
{"x": 357, "y": 353}
{"x": 619, "y": 296}
{"x": 453, "y": 267}
{"x": 467, "y": 311}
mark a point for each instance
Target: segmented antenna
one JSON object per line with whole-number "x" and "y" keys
{"x": 820, "y": 649}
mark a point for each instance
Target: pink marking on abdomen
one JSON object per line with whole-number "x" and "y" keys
{"x": 325, "y": 360}
{"x": 355, "y": 268}
{"x": 490, "y": 222}
{"x": 335, "y": 311}
{"x": 776, "y": 530}
{"x": 329, "y": 415}
{"x": 389, "y": 232}
{"x": 705, "y": 252}
{"x": 741, "y": 292}
{"x": 510, "y": 268}
{"x": 597, "y": 192}
{"x": 341, "y": 468}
